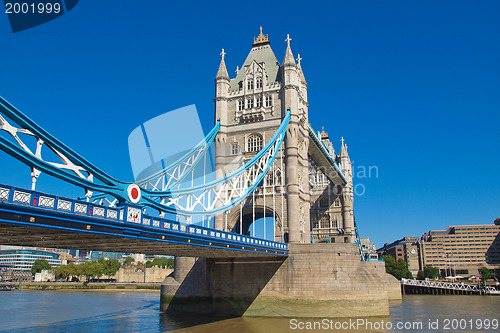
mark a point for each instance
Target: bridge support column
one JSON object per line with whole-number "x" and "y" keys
{"x": 316, "y": 280}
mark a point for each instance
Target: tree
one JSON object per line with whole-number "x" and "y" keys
{"x": 109, "y": 266}
{"x": 39, "y": 265}
{"x": 429, "y": 272}
{"x": 399, "y": 269}
{"x": 91, "y": 269}
{"x": 485, "y": 273}
{"x": 162, "y": 262}
{"x": 128, "y": 261}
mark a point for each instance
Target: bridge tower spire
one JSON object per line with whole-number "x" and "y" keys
{"x": 347, "y": 196}
{"x": 296, "y": 148}
{"x": 221, "y": 114}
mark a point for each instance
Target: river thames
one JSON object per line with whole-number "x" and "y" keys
{"x": 49, "y": 311}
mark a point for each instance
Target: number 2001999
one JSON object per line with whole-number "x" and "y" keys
{"x": 31, "y": 8}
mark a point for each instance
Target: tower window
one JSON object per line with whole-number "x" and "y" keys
{"x": 235, "y": 148}
{"x": 324, "y": 203}
{"x": 259, "y": 102}
{"x": 259, "y": 83}
{"x": 250, "y": 103}
{"x": 254, "y": 143}
{"x": 240, "y": 105}
{"x": 269, "y": 100}
{"x": 336, "y": 203}
{"x": 250, "y": 84}
{"x": 324, "y": 221}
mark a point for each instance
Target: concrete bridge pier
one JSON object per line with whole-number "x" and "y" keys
{"x": 316, "y": 280}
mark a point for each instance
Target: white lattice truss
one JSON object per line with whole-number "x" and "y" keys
{"x": 65, "y": 165}
{"x": 170, "y": 177}
{"x": 447, "y": 285}
{"x": 235, "y": 187}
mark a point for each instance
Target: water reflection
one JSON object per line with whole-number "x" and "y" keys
{"x": 49, "y": 311}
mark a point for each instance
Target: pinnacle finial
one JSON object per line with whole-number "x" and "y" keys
{"x": 237, "y": 70}
{"x": 288, "y": 39}
{"x": 342, "y": 141}
{"x": 299, "y": 59}
{"x": 261, "y": 39}
{"x": 223, "y": 54}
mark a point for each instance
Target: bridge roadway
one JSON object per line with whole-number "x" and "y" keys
{"x": 31, "y": 218}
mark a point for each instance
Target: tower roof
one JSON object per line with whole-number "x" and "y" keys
{"x": 222, "y": 72}
{"x": 261, "y": 52}
{"x": 289, "y": 59}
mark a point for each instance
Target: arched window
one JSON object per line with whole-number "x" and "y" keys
{"x": 250, "y": 84}
{"x": 259, "y": 82}
{"x": 324, "y": 221}
{"x": 269, "y": 100}
{"x": 324, "y": 203}
{"x": 258, "y": 101}
{"x": 270, "y": 181}
{"x": 235, "y": 148}
{"x": 254, "y": 143}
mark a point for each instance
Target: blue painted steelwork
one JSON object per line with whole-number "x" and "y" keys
{"x": 317, "y": 140}
{"x": 123, "y": 221}
{"x": 119, "y": 189}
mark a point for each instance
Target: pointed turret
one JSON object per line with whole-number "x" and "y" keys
{"x": 289, "y": 59}
{"x": 222, "y": 72}
{"x": 301, "y": 73}
{"x": 345, "y": 161}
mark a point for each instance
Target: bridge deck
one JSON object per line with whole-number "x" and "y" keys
{"x": 27, "y": 219}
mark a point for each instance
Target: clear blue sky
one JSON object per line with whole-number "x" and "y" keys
{"x": 413, "y": 86}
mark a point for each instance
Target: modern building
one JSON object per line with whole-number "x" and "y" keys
{"x": 457, "y": 251}
{"x": 22, "y": 259}
{"x": 407, "y": 249}
{"x": 463, "y": 249}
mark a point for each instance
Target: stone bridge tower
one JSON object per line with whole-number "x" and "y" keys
{"x": 250, "y": 108}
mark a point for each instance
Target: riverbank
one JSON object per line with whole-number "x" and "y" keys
{"x": 95, "y": 287}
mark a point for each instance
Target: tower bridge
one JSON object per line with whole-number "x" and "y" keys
{"x": 269, "y": 164}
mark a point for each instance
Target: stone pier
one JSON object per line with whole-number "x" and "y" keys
{"x": 316, "y": 280}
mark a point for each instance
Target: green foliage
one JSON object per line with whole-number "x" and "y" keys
{"x": 485, "y": 273}
{"x": 65, "y": 271}
{"x": 92, "y": 269}
{"x": 110, "y": 266}
{"x": 128, "y": 260}
{"x": 399, "y": 269}
{"x": 162, "y": 262}
{"x": 39, "y": 265}
{"x": 429, "y": 272}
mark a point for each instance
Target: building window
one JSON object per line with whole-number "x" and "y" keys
{"x": 250, "y": 103}
{"x": 335, "y": 224}
{"x": 336, "y": 203}
{"x": 240, "y": 105}
{"x": 250, "y": 84}
{"x": 269, "y": 100}
{"x": 254, "y": 143}
{"x": 235, "y": 148}
{"x": 324, "y": 221}
{"x": 324, "y": 203}
{"x": 259, "y": 102}
{"x": 259, "y": 83}
{"x": 270, "y": 179}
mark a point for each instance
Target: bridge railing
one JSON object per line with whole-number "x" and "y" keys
{"x": 126, "y": 214}
{"x": 448, "y": 285}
